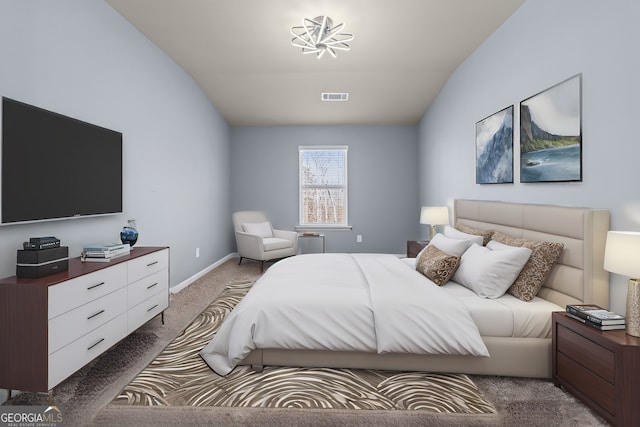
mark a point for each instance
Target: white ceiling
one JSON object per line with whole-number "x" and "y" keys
{"x": 239, "y": 53}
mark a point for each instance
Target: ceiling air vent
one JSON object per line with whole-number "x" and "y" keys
{"x": 334, "y": 96}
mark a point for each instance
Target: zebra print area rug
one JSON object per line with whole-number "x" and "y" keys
{"x": 179, "y": 377}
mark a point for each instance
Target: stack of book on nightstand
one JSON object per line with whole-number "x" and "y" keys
{"x": 104, "y": 252}
{"x": 596, "y": 316}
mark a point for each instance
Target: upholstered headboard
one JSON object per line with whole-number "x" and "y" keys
{"x": 578, "y": 276}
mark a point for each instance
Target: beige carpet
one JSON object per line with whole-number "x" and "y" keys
{"x": 179, "y": 377}
{"x": 85, "y": 398}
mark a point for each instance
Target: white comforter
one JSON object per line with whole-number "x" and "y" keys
{"x": 344, "y": 302}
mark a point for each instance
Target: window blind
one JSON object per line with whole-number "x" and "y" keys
{"x": 323, "y": 185}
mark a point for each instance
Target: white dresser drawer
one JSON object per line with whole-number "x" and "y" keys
{"x": 74, "y": 356}
{"x": 75, "y": 323}
{"x": 145, "y": 311}
{"x": 147, "y": 287}
{"x": 83, "y": 289}
{"x": 148, "y": 264}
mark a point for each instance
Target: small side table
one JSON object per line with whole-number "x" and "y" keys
{"x": 601, "y": 368}
{"x": 415, "y": 246}
{"x": 312, "y": 236}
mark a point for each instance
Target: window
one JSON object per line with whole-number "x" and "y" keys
{"x": 323, "y": 186}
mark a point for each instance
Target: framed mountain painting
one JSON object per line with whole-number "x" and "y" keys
{"x": 494, "y": 148}
{"x": 551, "y": 134}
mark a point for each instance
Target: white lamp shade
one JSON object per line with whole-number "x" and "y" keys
{"x": 622, "y": 253}
{"x": 434, "y": 215}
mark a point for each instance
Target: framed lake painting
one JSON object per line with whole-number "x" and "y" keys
{"x": 551, "y": 134}
{"x": 494, "y": 148}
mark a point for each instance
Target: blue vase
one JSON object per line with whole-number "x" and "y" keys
{"x": 129, "y": 233}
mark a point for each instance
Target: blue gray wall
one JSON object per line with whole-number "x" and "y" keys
{"x": 81, "y": 59}
{"x": 543, "y": 43}
{"x": 382, "y": 171}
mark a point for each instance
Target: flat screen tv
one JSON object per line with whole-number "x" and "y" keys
{"x": 56, "y": 167}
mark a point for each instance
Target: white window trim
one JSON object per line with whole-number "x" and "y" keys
{"x": 344, "y": 226}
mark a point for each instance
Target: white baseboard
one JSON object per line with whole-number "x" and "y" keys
{"x": 180, "y": 286}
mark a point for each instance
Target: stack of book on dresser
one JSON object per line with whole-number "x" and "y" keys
{"x": 596, "y": 316}
{"x": 104, "y": 252}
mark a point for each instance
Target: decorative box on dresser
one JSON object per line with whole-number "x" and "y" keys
{"x": 601, "y": 368}
{"x": 52, "y": 326}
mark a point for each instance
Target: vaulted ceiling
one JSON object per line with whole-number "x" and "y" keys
{"x": 240, "y": 55}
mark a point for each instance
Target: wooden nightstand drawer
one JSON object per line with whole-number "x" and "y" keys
{"x": 592, "y": 356}
{"x": 593, "y": 386}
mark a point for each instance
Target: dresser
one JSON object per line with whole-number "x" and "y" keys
{"x": 601, "y": 368}
{"x": 52, "y": 326}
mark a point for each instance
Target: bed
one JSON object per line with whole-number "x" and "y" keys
{"x": 518, "y": 350}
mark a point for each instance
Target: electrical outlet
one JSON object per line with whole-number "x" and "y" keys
{"x": 359, "y": 238}
{"x": 197, "y": 252}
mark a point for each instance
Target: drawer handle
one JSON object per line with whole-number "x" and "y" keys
{"x": 151, "y": 286}
{"x": 99, "y": 341}
{"x": 152, "y": 308}
{"x": 95, "y": 286}
{"x": 95, "y": 314}
{"x": 153, "y": 263}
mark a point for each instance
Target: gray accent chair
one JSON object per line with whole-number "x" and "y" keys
{"x": 256, "y": 238}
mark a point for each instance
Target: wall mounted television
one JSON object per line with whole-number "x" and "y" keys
{"x": 56, "y": 167}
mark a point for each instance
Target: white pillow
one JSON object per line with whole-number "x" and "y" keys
{"x": 450, "y": 246}
{"x": 411, "y": 262}
{"x": 490, "y": 272}
{"x": 449, "y": 231}
{"x": 262, "y": 229}
{"x": 494, "y": 245}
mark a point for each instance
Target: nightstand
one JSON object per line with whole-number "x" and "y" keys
{"x": 306, "y": 237}
{"x": 601, "y": 368}
{"x": 414, "y": 247}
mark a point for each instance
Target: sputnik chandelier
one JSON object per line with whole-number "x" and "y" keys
{"x": 318, "y": 36}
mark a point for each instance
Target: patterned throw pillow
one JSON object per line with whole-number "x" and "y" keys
{"x": 536, "y": 270}
{"x": 486, "y": 234}
{"x": 436, "y": 265}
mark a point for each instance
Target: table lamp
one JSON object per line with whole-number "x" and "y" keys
{"x": 434, "y": 215}
{"x": 622, "y": 256}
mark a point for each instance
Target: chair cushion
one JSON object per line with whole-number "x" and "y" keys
{"x": 273, "y": 243}
{"x": 262, "y": 229}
